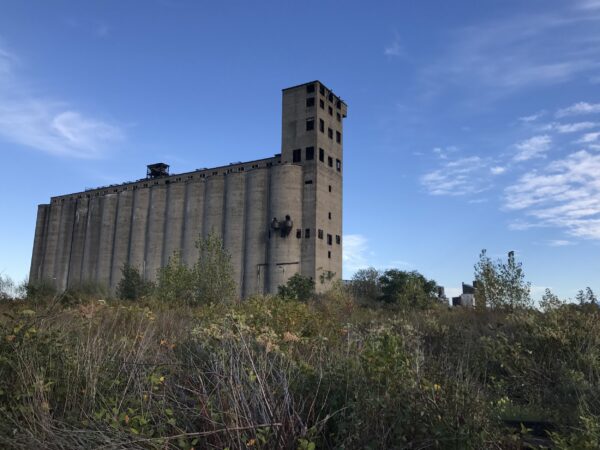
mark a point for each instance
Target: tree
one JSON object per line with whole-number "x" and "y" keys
{"x": 407, "y": 289}
{"x": 132, "y": 285}
{"x": 213, "y": 272}
{"x": 175, "y": 281}
{"x": 365, "y": 284}
{"x": 550, "y": 301}
{"x": 298, "y": 287}
{"x": 586, "y": 297}
{"x": 501, "y": 285}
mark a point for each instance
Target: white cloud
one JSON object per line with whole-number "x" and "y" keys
{"x": 395, "y": 48}
{"x": 534, "y": 147}
{"x": 559, "y": 243}
{"x": 354, "y": 257}
{"x": 578, "y": 109}
{"x": 533, "y": 117}
{"x": 565, "y": 194}
{"x": 573, "y": 127}
{"x": 588, "y": 138}
{"x": 52, "y": 126}
{"x": 458, "y": 177}
{"x": 497, "y": 170}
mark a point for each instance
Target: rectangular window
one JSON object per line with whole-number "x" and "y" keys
{"x": 338, "y": 104}
{"x": 329, "y": 239}
{"x": 308, "y": 182}
{"x": 310, "y": 153}
{"x": 338, "y": 137}
{"x": 321, "y": 125}
{"x": 330, "y": 97}
{"x": 310, "y": 124}
{"x": 310, "y": 102}
{"x": 297, "y": 155}
{"x": 298, "y": 233}
{"x": 330, "y": 161}
{"x": 338, "y": 165}
{"x": 321, "y": 103}
{"x": 330, "y": 133}
{"x": 321, "y": 155}
{"x": 339, "y": 117}
{"x": 322, "y": 90}
{"x": 320, "y": 234}
{"x": 329, "y": 254}
{"x": 310, "y": 88}
{"x": 338, "y": 239}
{"x": 329, "y": 215}
{"x": 307, "y": 233}
{"x": 330, "y": 111}
{"x": 329, "y": 188}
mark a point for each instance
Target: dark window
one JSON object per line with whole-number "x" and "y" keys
{"x": 321, "y": 125}
{"x": 330, "y": 111}
{"x": 310, "y": 102}
{"x": 321, "y": 155}
{"x": 307, "y": 233}
{"x": 338, "y": 165}
{"x": 339, "y": 117}
{"x": 308, "y": 182}
{"x": 321, "y": 103}
{"x": 330, "y": 97}
{"x": 320, "y": 234}
{"x": 329, "y": 188}
{"x": 338, "y": 137}
{"x": 338, "y": 104}
{"x": 329, "y": 215}
{"x": 310, "y": 124}
{"x": 322, "y": 90}
{"x": 329, "y": 239}
{"x": 215, "y": 173}
{"x": 310, "y": 153}
{"x": 329, "y": 254}
{"x": 338, "y": 239}
{"x": 310, "y": 88}
{"x": 330, "y": 161}
{"x": 297, "y": 155}
{"x": 299, "y": 233}
{"x": 330, "y": 133}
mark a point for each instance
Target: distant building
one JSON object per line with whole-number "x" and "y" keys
{"x": 467, "y": 298}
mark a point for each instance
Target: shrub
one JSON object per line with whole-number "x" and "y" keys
{"x": 132, "y": 285}
{"x": 213, "y": 272}
{"x": 175, "y": 282}
{"x": 298, "y": 287}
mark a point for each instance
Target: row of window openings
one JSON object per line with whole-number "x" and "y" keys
{"x": 310, "y": 125}
{"x": 310, "y": 102}
{"x": 310, "y": 155}
{"x": 310, "y": 89}
{"x": 338, "y": 238}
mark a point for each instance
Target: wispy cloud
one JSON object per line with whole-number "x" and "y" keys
{"x": 532, "y": 117}
{"x": 497, "y": 170}
{"x": 589, "y": 138}
{"x": 578, "y": 109}
{"x": 534, "y": 147}
{"x": 52, "y": 126}
{"x": 559, "y": 243}
{"x": 355, "y": 253}
{"x": 565, "y": 194}
{"x": 461, "y": 176}
{"x": 395, "y": 48}
{"x": 573, "y": 127}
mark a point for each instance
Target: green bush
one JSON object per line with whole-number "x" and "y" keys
{"x": 298, "y": 287}
{"x": 132, "y": 285}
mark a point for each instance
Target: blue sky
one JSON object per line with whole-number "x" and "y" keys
{"x": 471, "y": 124}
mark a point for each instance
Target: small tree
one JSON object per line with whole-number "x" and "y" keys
{"x": 488, "y": 283}
{"x": 213, "y": 273}
{"x": 7, "y": 288}
{"x": 132, "y": 285}
{"x": 586, "y": 297}
{"x": 365, "y": 284}
{"x": 298, "y": 287}
{"x": 175, "y": 281}
{"x": 550, "y": 301}
{"x": 407, "y": 289}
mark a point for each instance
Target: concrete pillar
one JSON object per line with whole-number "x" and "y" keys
{"x": 194, "y": 215}
{"x": 107, "y": 236}
{"x": 65, "y": 239}
{"x": 92, "y": 239}
{"x": 120, "y": 253}
{"x": 78, "y": 245}
{"x": 257, "y": 229}
{"x": 156, "y": 230}
{"x": 174, "y": 223}
{"x": 51, "y": 242}
{"x": 213, "y": 205}
{"x": 285, "y": 198}
{"x": 233, "y": 237}
{"x": 139, "y": 222}
{"x": 39, "y": 242}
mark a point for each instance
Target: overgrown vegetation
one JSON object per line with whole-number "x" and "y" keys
{"x": 345, "y": 369}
